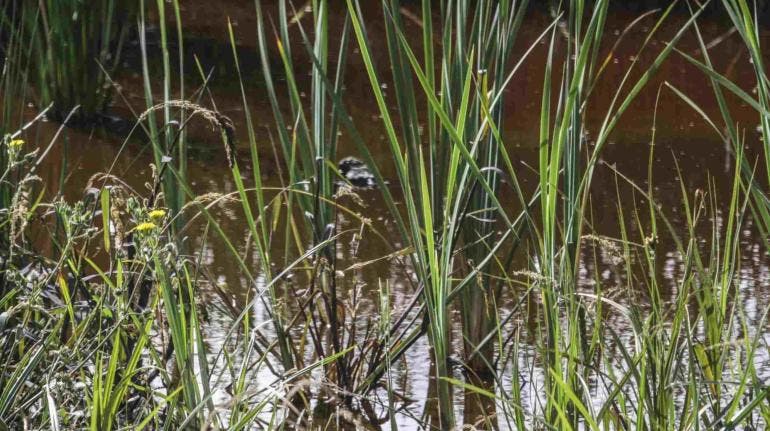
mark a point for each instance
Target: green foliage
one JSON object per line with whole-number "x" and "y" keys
{"x": 108, "y": 328}
{"x": 71, "y": 47}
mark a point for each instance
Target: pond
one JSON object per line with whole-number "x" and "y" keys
{"x": 660, "y": 144}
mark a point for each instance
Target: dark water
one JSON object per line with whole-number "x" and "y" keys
{"x": 682, "y": 139}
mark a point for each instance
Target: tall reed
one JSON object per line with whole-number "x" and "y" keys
{"x": 450, "y": 189}
{"x": 71, "y": 44}
{"x": 561, "y": 173}
{"x": 309, "y": 152}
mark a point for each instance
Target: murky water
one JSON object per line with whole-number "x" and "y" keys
{"x": 682, "y": 140}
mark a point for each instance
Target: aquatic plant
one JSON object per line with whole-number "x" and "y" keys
{"x": 73, "y": 46}
{"x": 108, "y": 327}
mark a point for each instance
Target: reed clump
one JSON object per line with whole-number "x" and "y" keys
{"x": 71, "y": 49}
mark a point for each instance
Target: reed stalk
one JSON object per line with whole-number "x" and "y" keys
{"x": 71, "y": 43}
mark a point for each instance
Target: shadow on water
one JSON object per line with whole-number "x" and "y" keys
{"x": 683, "y": 140}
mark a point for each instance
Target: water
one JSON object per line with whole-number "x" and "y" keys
{"x": 687, "y": 149}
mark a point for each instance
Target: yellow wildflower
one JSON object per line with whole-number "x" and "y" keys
{"x": 16, "y": 143}
{"x": 157, "y": 214}
{"x": 146, "y": 226}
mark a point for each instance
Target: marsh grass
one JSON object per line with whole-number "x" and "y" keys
{"x": 67, "y": 44}
{"x": 129, "y": 329}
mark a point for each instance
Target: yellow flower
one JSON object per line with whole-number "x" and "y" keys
{"x": 157, "y": 214}
{"x": 16, "y": 143}
{"x": 146, "y": 226}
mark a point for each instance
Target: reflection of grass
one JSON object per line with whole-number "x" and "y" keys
{"x": 109, "y": 328}
{"x": 69, "y": 45}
